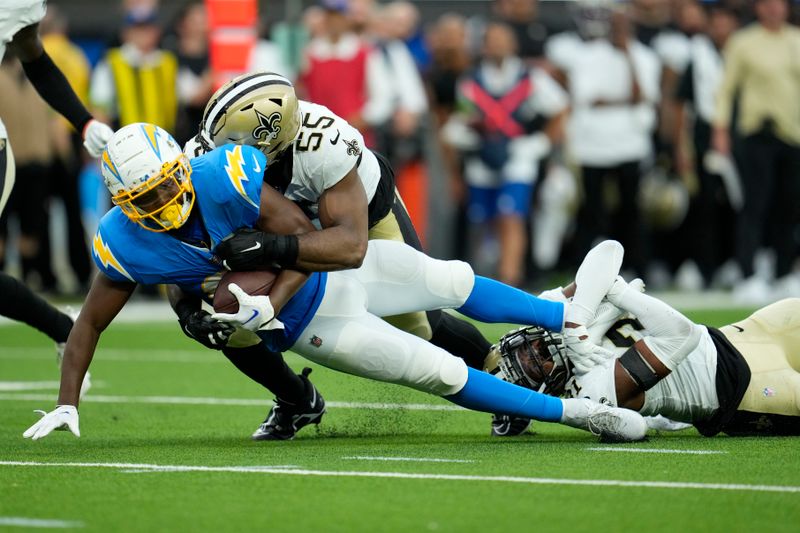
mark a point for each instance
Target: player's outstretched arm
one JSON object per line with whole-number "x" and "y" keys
{"x": 106, "y": 298}
{"x": 54, "y": 89}
{"x": 290, "y": 240}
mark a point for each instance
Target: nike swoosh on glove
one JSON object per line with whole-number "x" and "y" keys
{"x": 255, "y": 312}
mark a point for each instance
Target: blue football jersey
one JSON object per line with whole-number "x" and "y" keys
{"x": 227, "y": 185}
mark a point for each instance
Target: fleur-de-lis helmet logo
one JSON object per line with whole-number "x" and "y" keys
{"x": 268, "y": 127}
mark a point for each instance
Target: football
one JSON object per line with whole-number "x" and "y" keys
{"x": 257, "y": 283}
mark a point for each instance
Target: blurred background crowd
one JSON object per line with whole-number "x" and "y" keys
{"x": 520, "y": 131}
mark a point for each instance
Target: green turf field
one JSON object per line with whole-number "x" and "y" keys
{"x": 166, "y": 447}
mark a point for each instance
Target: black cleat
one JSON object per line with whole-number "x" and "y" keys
{"x": 284, "y": 420}
{"x": 509, "y": 426}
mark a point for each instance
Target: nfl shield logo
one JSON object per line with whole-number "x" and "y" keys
{"x": 315, "y": 341}
{"x": 768, "y": 393}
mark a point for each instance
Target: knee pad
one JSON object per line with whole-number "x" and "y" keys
{"x": 452, "y": 375}
{"x": 450, "y": 280}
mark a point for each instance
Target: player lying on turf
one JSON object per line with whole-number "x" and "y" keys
{"x": 741, "y": 379}
{"x": 170, "y": 216}
{"x": 319, "y": 161}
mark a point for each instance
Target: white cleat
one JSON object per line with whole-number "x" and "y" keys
{"x": 615, "y": 424}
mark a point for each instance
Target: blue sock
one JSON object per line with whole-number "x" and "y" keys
{"x": 492, "y": 301}
{"x": 484, "y": 392}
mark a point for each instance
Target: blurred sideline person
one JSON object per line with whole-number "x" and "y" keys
{"x": 27, "y": 119}
{"x": 509, "y": 117}
{"x": 170, "y": 216}
{"x": 614, "y": 86}
{"x": 69, "y": 159}
{"x": 709, "y": 241}
{"x": 344, "y": 73}
{"x": 319, "y": 161}
{"x": 742, "y": 379}
{"x": 137, "y": 81}
{"x": 762, "y": 67}
{"x": 19, "y": 29}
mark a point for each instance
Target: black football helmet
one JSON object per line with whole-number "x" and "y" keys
{"x": 535, "y": 359}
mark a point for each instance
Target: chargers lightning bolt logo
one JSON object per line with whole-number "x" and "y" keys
{"x": 106, "y": 257}
{"x": 236, "y": 173}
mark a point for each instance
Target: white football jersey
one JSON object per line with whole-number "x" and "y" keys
{"x": 15, "y": 15}
{"x": 687, "y": 394}
{"x": 326, "y": 149}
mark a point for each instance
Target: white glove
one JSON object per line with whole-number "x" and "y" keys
{"x": 62, "y": 417}
{"x": 255, "y": 312}
{"x": 583, "y": 354}
{"x": 95, "y": 137}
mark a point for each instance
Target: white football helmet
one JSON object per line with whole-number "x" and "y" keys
{"x": 148, "y": 177}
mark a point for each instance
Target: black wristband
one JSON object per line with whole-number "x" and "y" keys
{"x": 280, "y": 250}
{"x": 54, "y": 89}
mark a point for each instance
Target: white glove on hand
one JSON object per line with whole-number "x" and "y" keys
{"x": 62, "y": 417}
{"x": 95, "y": 137}
{"x": 255, "y": 312}
{"x": 583, "y": 354}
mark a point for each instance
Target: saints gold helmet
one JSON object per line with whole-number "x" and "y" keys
{"x": 258, "y": 109}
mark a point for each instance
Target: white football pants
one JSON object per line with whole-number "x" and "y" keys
{"x": 346, "y": 333}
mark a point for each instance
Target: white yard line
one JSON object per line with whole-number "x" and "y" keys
{"x": 410, "y": 459}
{"x": 21, "y": 521}
{"x": 408, "y": 475}
{"x": 9, "y": 386}
{"x": 655, "y": 450}
{"x": 191, "y": 400}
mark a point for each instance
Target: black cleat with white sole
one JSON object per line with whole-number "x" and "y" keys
{"x": 284, "y": 420}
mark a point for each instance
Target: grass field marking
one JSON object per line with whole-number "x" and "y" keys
{"x": 9, "y": 386}
{"x": 197, "y": 400}
{"x": 21, "y": 521}
{"x": 441, "y": 477}
{"x": 116, "y": 354}
{"x": 411, "y": 459}
{"x": 654, "y": 450}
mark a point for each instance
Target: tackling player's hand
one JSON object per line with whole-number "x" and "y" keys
{"x": 251, "y": 249}
{"x": 583, "y": 354}
{"x": 255, "y": 312}
{"x": 96, "y": 136}
{"x": 209, "y": 332}
{"x": 62, "y": 417}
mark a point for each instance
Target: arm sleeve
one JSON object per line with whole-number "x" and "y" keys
{"x": 54, "y": 89}
{"x": 595, "y": 276}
